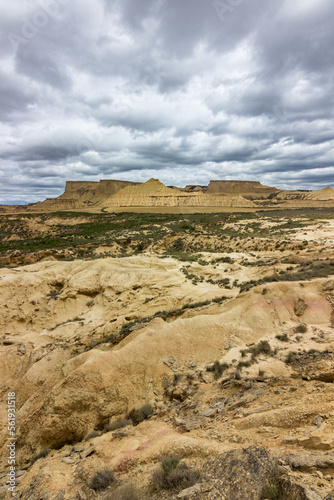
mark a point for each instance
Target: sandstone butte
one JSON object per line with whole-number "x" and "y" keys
{"x": 153, "y": 193}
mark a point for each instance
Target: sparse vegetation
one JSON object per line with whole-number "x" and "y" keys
{"x": 102, "y": 480}
{"x": 301, "y": 328}
{"x": 92, "y": 435}
{"x": 217, "y": 368}
{"x": 125, "y": 492}
{"x": 290, "y": 357}
{"x": 273, "y": 488}
{"x": 42, "y": 454}
{"x": 117, "y": 424}
{"x": 173, "y": 475}
{"x": 141, "y": 414}
{"x": 283, "y": 338}
{"x": 263, "y": 347}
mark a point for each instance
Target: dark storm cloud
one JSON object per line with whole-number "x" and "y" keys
{"x": 185, "y": 91}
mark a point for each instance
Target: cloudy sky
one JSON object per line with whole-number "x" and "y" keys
{"x": 182, "y": 90}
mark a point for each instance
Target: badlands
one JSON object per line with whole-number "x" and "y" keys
{"x": 165, "y": 343}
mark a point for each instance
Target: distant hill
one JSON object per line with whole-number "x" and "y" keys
{"x": 155, "y": 194}
{"x": 326, "y": 194}
{"x": 110, "y": 193}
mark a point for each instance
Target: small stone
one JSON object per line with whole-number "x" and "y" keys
{"x": 289, "y": 440}
{"x": 68, "y": 460}
{"x": 258, "y": 410}
{"x": 210, "y": 412}
{"x": 120, "y": 433}
{"x": 193, "y": 490}
{"x": 318, "y": 421}
{"x": 300, "y": 307}
{"x": 87, "y": 452}
{"x": 21, "y": 349}
{"x": 81, "y": 495}
{"x": 78, "y": 448}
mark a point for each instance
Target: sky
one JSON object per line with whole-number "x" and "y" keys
{"x": 185, "y": 91}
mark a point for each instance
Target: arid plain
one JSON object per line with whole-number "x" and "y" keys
{"x": 167, "y": 343}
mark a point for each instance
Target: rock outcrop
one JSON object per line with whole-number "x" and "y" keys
{"x": 155, "y": 194}
{"x": 326, "y": 194}
{"x": 252, "y": 190}
{"x": 80, "y": 195}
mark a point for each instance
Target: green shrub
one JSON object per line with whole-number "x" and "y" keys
{"x": 102, "y": 480}
{"x": 169, "y": 463}
{"x": 301, "y": 328}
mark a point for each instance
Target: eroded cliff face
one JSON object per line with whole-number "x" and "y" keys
{"x": 326, "y": 194}
{"x": 248, "y": 189}
{"x": 82, "y": 194}
{"x": 106, "y": 193}
{"x": 155, "y": 194}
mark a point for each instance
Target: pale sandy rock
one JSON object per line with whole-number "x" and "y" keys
{"x": 154, "y": 193}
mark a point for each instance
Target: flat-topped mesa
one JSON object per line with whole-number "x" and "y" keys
{"x": 155, "y": 193}
{"x": 247, "y": 189}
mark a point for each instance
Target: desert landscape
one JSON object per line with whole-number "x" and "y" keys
{"x": 166, "y": 343}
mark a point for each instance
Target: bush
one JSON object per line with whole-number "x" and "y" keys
{"x": 125, "y": 492}
{"x": 143, "y": 413}
{"x": 217, "y": 368}
{"x": 117, "y": 424}
{"x": 263, "y": 347}
{"x": 273, "y": 488}
{"x": 172, "y": 475}
{"x": 290, "y": 357}
{"x": 169, "y": 463}
{"x": 301, "y": 328}
{"x": 41, "y": 454}
{"x": 92, "y": 435}
{"x": 283, "y": 338}
{"x": 140, "y": 247}
{"x": 244, "y": 364}
{"x": 102, "y": 480}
